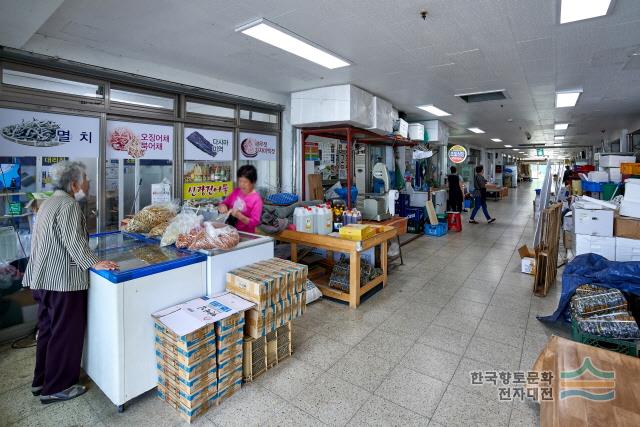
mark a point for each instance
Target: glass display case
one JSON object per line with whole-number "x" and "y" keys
{"x": 138, "y": 256}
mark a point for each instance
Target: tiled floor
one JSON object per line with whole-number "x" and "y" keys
{"x": 459, "y": 304}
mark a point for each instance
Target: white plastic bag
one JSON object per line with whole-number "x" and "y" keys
{"x": 215, "y": 236}
{"x": 182, "y": 223}
{"x": 313, "y": 293}
{"x": 394, "y": 250}
{"x": 152, "y": 215}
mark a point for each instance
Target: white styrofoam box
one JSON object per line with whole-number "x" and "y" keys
{"x": 416, "y": 131}
{"x": 605, "y": 246}
{"x": 395, "y": 113}
{"x": 598, "y": 176}
{"x": 594, "y": 222}
{"x": 419, "y": 199}
{"x": 630, "y": 208}
{"x": 332, "y": 105}
{"x": 627, "y": 249}
{"x": 382, "y": 117}
{"x": 615, "y": 175}
{"x": 401, "y": 127}
{"x": 632, "y": 190}
{"x": 613, "y": 161}
{"x": 567, "y": 225}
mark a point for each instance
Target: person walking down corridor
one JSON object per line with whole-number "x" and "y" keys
{"x": 480, "y": 196}
{"x": 456, "y": 190}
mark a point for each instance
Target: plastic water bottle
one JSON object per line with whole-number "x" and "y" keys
{"x": 298, "y": 218}
{"x": 308, "y": 221}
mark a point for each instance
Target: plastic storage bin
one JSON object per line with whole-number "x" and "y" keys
{"x": 342, "y": 193}
{"x": 436, "y": 230}
{"x": 415, "y": 217}
{"x": 607, "y": 190}
{"x": 630, "y": 168}
{"x": 593, "y": 187}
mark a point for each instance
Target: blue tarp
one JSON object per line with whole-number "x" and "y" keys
{"x": 597, "y": 270}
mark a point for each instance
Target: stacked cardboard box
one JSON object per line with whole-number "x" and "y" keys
{"x": 277, "y": 287}
{"x": 229, "y": 338}
{"x": 199, "y": 352}
{"x": 187, "y": 369}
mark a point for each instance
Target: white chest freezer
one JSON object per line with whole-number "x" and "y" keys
{"x": 252, "y": 248}
{"x": 119, "y": 354}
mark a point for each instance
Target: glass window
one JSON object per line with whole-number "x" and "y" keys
{"x": 52, "y": 84}
{"x": 245, "y": 114}
{"x": 210, "y": 110}
{"x": 141, "y": 99}
{"x": 261, "y": 151}
{"x": 259, "y": 116}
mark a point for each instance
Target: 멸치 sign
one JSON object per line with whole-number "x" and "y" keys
{"x": 130, "y": 140}
{"x": 457, "y": 154}
{"x": 31, "y": 134}
{"x": 255, "y": 146}
{"x": 206, "y": 190}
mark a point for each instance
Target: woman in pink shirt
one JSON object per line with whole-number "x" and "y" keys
{"x": 244, "y": 203}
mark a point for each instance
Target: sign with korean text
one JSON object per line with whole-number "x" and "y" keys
{"x": 130, "y": 140}
{"x": 31, "y": 134}
{"x": 207, "y": 190}
{"x": 160, "y": 193}
{"x": 255, "y": 146}
{"x": 457, "y": 154}
{"x": 208, "y": 144}
{"x": 47, "y": 164}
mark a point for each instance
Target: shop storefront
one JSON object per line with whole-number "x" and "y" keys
{"x": 143, "y": 141}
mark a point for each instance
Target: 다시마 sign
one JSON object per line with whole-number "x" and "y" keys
{"x": 457, "y": 154}
{"x": 206, "y": 190}
{"x": 31, "y": 134}
{"x": 208, "y": 144}
{"x": 255, "y": 146}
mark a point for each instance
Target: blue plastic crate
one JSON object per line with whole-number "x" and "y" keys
{"x": 594, "y": 187}
{"x": 435, "y": 230}
{"x": 342, "y": 193}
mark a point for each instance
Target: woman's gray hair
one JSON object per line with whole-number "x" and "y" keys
{"x": 66, "y": 172}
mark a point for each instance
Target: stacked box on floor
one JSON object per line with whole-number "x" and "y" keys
{"x": 187, "y": 369}
{"x": 229, "y": 338}
{"x": 277, "y": 287}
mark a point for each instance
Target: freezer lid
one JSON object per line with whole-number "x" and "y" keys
{"x": 247, "y": 240}
{"x": 138, "y": 256}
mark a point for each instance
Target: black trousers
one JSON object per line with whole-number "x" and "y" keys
{"x": 62, "y": 320}
{"x": 455, "y": 201}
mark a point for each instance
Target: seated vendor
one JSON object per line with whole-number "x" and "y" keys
{"x": 244, "y": 204}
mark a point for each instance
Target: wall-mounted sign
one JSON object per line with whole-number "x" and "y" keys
{"x": 208, "y": 144}
{"x": 30, "y": 134}
{"x": 160, "y": 193}
{"x": 457, "y": 154}
{"x": 255, "y": 146}
{"x": 206, "y": 190}
{"x": 130, "y": 140}
{"x": 311, "y": 151}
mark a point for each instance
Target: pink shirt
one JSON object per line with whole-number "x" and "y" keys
{"x": 250, "y": 205}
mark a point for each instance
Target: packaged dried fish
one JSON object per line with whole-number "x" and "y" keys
{"x": 150, "y": 254}
{"x": 150, "y": 216}
{"x": 590, "y": 289}
{"x": 597, "y": 302}
{"x": 620, "y": 324}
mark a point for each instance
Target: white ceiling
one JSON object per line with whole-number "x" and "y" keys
{"x": 462, "y": 46}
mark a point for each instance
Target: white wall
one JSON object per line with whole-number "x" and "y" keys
{"x": 86, "y": 55}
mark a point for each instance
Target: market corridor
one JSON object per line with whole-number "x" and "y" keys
{"x": 404, "y": 357}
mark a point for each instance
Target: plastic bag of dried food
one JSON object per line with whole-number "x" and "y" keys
{"x": 182, "y": 223}
{"x": 620, "y": 325}
{"x": 150, "y": 216}
{"x": 597, "y": 302}
{"x": 159, "y": 229}
{"x": 215, "y": 236}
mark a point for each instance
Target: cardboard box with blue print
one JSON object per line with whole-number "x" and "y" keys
{"x": 527, "y": 260}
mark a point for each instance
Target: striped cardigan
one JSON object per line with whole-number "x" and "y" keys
{"x": 60, "y": 252}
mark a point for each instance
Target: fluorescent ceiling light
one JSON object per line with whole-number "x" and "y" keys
{"x": 508, "y": 146}
{"x": 514, "y": 149}
{"x": 561, "y": 126}
{"x": 567, "y": 99}
{"x": 274, "y": 35}
{"x": 558, "y": 138}
{"x": 577, "y": 10}
{"x": 432, "y": 109}
{"x": 476, "y": 130}
{"x": 496, "y": 139}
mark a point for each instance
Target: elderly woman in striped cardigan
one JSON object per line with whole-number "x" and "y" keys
{"x": 57, "y": 274}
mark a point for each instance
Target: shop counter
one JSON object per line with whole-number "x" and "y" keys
{"x": 119, "y": 353}
{"x": 251, "y": 249}
{"x": 353, "y": 248}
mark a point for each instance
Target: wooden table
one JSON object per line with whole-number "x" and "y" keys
{"x": 400, "y": 224}
{"x": 563, "y": 355}
{"x": 353, "y": 248}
